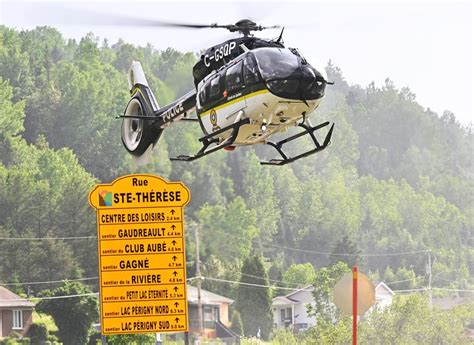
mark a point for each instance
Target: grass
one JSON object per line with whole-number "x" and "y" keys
{"x": 46, "y": 320}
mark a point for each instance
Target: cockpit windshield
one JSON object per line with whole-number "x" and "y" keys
{"x": 276, "y": 62}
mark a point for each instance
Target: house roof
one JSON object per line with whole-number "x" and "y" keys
{"x": 9, "y": 299}
{"x": 382, "y": 286}
{"x": 207, "y": 297}
{"x": 291, "y": 298}
{"x": 284, "y": 300}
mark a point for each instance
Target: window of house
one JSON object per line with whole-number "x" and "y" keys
{"x": 282, "y": 315}
{"x": 208, "y": 315}
{"x": 233, "y": 77}
{"x": 288, "y": 313}
{"x": 17, "y": 319}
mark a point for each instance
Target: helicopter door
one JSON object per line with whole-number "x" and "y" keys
{"x": 233, "y": 93}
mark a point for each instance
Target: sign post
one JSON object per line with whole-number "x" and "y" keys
{"x": 141, "y": 246}
{"x": 354, "y": 294}
{"x": 354, "y": 305}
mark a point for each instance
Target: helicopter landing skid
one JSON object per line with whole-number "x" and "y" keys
{"x": 213, "y": 139}
{"x": 307, "y": 130}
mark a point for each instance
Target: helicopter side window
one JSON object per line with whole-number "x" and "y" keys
{"x": 250, "y": 71}
{"x": 202, "y": 94}
{"x": 233, "y": 77}
{"x": 215, "y": 88}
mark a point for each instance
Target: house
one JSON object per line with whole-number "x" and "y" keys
{"x": 291, "y": 311}
{"x": 383, "y": 295}
{"x": 215, "y": 314}
{"x": 15, "y": 313}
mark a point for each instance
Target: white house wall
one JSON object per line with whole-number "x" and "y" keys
{"x": 301, "y": 315}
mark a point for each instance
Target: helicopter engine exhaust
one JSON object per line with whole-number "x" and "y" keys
{"x": 140, "y": 135}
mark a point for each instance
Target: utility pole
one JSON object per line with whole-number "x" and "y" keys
{"x": 198, "y": 275}
{"x": 430, "y": 292}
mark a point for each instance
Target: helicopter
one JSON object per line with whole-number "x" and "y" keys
{"x": 246, "y": 90}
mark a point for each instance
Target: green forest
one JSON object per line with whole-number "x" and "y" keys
{"x": 395, "y": 186}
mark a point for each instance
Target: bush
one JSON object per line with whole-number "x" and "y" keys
{"x": 236, "y": 323}
{"x": 38, "y": 333}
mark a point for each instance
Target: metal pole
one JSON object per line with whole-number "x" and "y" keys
{"x": 430, "y": 292}
{"x": 198, "y": 275}
{"x": 186, "y": 338}
{"x": 354, "y": 305}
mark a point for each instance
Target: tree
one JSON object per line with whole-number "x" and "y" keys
{"x": 38, "y": 333}
{"x": 234, "y": 221}
{"x": 410, "y": 320}
{"x": 73, "y": 315}
{"x": 236, "y": 323}
{"x": 11, "y": 120}
{"x": 254, "y": 303}
{"x": 326, "y": 278}
{"x": 299, "y": 275}
{"x": 345, "y": 246}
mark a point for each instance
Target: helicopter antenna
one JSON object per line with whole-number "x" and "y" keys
{"x": 280, "y": 39}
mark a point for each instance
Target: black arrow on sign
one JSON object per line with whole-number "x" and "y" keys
{"x": 176, "y": 304}
{"x": 177, "y": 319}
{"x": 173, "y": 226}
{"x": 175, "y": 258}
{"x": 175, "y": 289}
{"x": 175, "y": 273}
{"x": 172, "y": 211}
{"x": 173, "y": 242}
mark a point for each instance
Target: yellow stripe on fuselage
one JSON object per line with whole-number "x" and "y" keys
{"x": 250, "y": 95}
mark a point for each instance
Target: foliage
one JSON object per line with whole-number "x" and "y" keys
{"x": 15, "y": 338}
{"x": 328, "y": 332}
{"x": 345, "y": 245}
{"x": 282, "y": 336}
{"x": 73, "y": 316}
{"x": 326, "y": 278}
{"x": 254, "y": 305}
{"x": 131, "y": 339}
{"x": 397, "y": 178}
{"x": 299, "y": 275}
{"x": 38, "y": 333}
{"x": 236, "y": 323}
{"x": 411, "y": 321}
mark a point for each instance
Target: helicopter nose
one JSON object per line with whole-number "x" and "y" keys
{"x": 313, "y": 83}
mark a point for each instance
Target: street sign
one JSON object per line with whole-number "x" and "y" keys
{"x": 343, "y": 293}
{"x": 142, "y": 259}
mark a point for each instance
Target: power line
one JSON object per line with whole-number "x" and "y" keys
{"x": 456, "y": 290}
{"x": 47, "y": 238}
{"x": 49, "y": 281}
{"x": 411, "y": 290}
{"x": 272, "y": 280}
{"x": 262, "y": 243}
{"x": 253, "y": 285}
{"x": 405, "y": 280}
{"x": 345, "y": 254}
{"x": 51, "y": 297}
{"x": 434, "y": 288}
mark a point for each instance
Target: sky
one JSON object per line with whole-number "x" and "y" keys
{"x": 425, "y": 45}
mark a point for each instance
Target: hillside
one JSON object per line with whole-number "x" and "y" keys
{"x": 397, "y": 181}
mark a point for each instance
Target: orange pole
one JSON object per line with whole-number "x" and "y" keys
{"x": 354, "y": 305}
